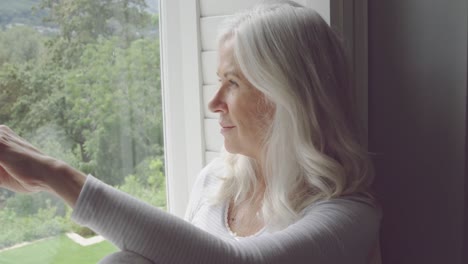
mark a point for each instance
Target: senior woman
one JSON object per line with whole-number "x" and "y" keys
{"x": 292, "y": 185}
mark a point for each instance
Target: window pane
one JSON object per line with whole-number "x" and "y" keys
{"x": 81, "y": 81}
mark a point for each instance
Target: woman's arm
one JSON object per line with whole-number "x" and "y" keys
{"x": 338, "y": 231}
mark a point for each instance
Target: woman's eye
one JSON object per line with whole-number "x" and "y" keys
{"x": 233, "y": 82}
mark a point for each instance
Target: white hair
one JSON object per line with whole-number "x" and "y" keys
{"x": 313, "y": 148}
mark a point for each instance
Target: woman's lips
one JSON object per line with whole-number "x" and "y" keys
{"x": 226, "y": 129}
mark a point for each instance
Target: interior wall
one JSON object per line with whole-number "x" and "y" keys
{"x": 417, "y": 127}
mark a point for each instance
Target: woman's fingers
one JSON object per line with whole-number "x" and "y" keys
{"x": 10, "y": 137}
{"x": 15, "y": 150}
{"x": 21, "y": 164}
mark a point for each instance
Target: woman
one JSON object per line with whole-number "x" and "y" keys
{"x": 292, "y": 185}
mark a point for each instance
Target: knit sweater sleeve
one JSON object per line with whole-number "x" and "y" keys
{"x": 335, "y": 231}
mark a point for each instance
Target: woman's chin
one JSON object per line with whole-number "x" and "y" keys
{"x": 231, "y": 148}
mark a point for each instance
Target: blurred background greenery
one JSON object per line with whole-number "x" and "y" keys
{"x": 80, "y": 79}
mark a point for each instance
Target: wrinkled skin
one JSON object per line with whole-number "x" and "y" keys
{"x": 22, "y": 166}
{"x": 25, "y": 169}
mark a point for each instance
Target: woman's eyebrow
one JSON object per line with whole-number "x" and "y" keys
{"x": 234, "y": 73}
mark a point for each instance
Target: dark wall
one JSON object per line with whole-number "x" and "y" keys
{"x": 417, "y": 126}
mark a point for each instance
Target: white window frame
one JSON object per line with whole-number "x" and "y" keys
{"x": 182, "y": 108}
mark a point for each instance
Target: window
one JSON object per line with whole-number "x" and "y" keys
{"x": 80, "y": 80}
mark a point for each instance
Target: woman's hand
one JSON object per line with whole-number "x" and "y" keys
{"x": 23, "y": 168}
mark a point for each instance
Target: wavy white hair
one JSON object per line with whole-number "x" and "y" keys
{"x": 313, "y": 149}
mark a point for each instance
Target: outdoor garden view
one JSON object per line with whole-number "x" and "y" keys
{"x": 80, "y": 79}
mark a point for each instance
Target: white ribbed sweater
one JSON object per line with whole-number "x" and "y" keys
{"x": 330, "y": 232}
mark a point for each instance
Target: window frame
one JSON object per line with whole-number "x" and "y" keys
{"x": 350, "y": 19}
{"x": 182, "y": 99}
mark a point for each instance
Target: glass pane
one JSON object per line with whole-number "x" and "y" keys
{"x": 81, "y": 81}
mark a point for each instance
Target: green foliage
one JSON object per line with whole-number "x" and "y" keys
{"x": 83, "y": 22}
{"x": 16, "y": 229}
{"x": 87, "y": 20}
{"x": 27, "y": 205}
{"x": 149, "y": 185}
{"x": 90, "y": 96}
{"x": 20, "y": 44}
{"x": 103, "y": 116}
{"x": 112, "y": 107}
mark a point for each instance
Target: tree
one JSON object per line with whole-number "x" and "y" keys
{"x": 85, "y": 21}
{"x": 149, "y": 184}
{"x": 19, "y": 47}
{"x": 20, "y": 44}
{"x": 90, "y": 96}
{"x": 114, "y": 102}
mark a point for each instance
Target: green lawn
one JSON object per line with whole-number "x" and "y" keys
{"x": 58, "y": 250}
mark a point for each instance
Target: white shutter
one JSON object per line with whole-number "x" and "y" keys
{"x": 210, "y": 8}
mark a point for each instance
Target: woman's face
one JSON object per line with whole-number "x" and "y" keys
{"x": 243, "y": 112}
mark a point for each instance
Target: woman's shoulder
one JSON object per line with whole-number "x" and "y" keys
{"x": 348, "y": 226}
{"x": 205, "y": 185}
{"x": 351, "y": 216}
{"x": 213, "y": 171}
{"x": 349, "y": 209}
{"x": 357, "y": 199}
{"x": 210, "y": 176}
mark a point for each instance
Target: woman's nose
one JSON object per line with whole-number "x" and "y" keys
{"x": 217, "y": 103}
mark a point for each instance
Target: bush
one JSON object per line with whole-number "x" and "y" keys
{"x": 28, "y": 205}
{"x": 17, "y": 229}
{"x": 149, "y": 185}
